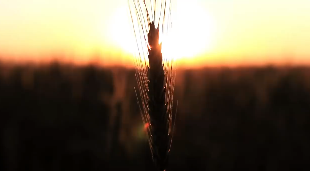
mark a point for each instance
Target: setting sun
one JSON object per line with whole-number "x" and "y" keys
{"x": 120, "y": 32}
{"x": 190, "y": 36}
{"x": 192, "y": 30}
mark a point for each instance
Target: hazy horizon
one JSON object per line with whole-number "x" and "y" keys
{"x": 205, "y": 32}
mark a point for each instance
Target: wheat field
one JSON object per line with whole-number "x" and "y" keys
{"x": 63, "y": 117}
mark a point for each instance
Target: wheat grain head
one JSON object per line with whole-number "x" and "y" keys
{"x": 155, "y": 76}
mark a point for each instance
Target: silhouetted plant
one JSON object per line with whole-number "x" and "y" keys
{"x": 155, "y": 78}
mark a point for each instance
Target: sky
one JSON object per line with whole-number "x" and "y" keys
{"x": 207, "y": 32}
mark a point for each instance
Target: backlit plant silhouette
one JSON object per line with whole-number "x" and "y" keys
{"x": 155, "y": 75}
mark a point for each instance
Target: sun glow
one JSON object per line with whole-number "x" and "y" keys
{"x": 189, "y": 37}
{"x": 121, "y": 33}
{"x": 191, "y": 34}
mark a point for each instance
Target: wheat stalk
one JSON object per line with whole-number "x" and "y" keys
{"x": 155, "y": 77}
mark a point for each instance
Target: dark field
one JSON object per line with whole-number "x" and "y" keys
{"x": 62, "y": 117}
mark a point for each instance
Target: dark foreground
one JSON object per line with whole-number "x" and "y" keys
{"x": 84, "y": 118}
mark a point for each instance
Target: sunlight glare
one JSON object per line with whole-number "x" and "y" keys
{"x": 189, "y": 37}
{"x": 121, "y": 30}
{"x": 191, "y": 34}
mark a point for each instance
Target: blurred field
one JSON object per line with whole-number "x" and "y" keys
{"x": 63, "y": 117}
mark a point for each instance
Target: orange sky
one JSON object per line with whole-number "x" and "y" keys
{"x": 206, "y": 32}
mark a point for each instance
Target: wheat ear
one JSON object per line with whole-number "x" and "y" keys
{"x": 155, "y": 78}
